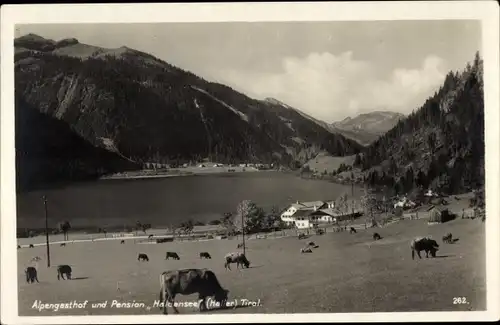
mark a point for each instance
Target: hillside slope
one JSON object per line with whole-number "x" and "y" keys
{"x": 368, "y": 127}
{"x": 47, "y": 150}
{"x": 440, "y": 145}
{"x": 150, "y": 111}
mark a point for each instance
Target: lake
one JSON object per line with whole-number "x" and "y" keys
{"x": 166, "y": 201}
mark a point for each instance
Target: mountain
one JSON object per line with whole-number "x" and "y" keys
{"x": 368, "y": 127}
{"x": 440, "y": 145}
{"x": 146, "y": 110}
{"x": 47, "y": 150}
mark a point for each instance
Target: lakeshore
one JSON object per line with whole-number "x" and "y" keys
{"x": 184, "y": 171}
{"x": 164, "y": 202}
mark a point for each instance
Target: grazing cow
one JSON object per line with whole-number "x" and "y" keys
{"x": 122, "y": 242}
{"x": 36, "y": 259}
{"x": 142, "y": 257}
{"x": 189, "y": 281}
{"x": 31, "y": 246}
{"x": 423, "y": 244}
{"x": 376, "y": 236}
{"x": 173, "y": 255}
{"x": 238, "y": 258}
{"x": 448, "y": 238}
{"x": 62, "y": 270}
{"x": 306, "y": 250}
{"x": 352, "y": 230}
{"x": 64, "y": 244}
{"x": 31, "y": 274}
{"x": 205, "y": 255}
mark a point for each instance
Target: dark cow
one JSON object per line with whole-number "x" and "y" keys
{"x": 238, "y": 258}
{"x": 423, "y": 244}
{"x": 63, "y": 244}
{"x": 31, "y": 274}
{"x": 205, "y": 255}
{"x": 142, "y": 257}
{"x": 352, "y": 230}
{"x": 173, "y": 255}
{"x": 189, "y": 281}
{"x": 31, "y": 246}
{"x": 62, "y": 270}
{"x": 448, "y": 238}
{"x": 306, "y": 250}
{"x": 312, "y": 244}
{"x": 122, "y": 242}
{"x": 376, "y": 236}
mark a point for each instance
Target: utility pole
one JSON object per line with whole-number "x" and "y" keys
{"x": 352, "y": 185}
{"x": 46, "y": 230}
{"x": 352, "y": 215}
{"x": 243, "y": 232}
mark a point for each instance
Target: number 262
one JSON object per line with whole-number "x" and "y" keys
{"x": 459, "y": 300}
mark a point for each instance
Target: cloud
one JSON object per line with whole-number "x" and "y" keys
{"x": 332, "y": 87}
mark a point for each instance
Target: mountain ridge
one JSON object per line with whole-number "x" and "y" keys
{"x": 146, "y": 110}
{"x": 365, "y": 128}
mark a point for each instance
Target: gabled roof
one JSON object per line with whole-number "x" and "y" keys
{"x": 303, "y": 213}
{"x": 437, "y": 208}
{"x": 307, "y": 205}
{"x": 311, "y": 204}
{"x": 326, "y": 211}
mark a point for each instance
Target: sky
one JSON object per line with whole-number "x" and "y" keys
{"x": 329, "y": 70}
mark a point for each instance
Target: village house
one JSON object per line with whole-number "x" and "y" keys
{"x": 311, "y": 214}
{"x": 327, "y": 215}
{"x": 404, "y": 203}
{"x": 298, "y": 213}
{"x": 439, "y": 214}
{"x": 430, "y": 193}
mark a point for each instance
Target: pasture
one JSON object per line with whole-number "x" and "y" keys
{"x": 324, "y": 161}
{"x": 347, "y": 273}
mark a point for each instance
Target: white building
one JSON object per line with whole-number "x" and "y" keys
{"x": 404, "y": 203}
{"x": 430, "y": 193}
{"x": 310, "y": 214}
{"x": 288, "y": 215}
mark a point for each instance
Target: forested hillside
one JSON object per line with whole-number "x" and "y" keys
{"x": 440, "y": 145}
{"x": 48, "y": 151}
{"x": 147, "y": 110}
